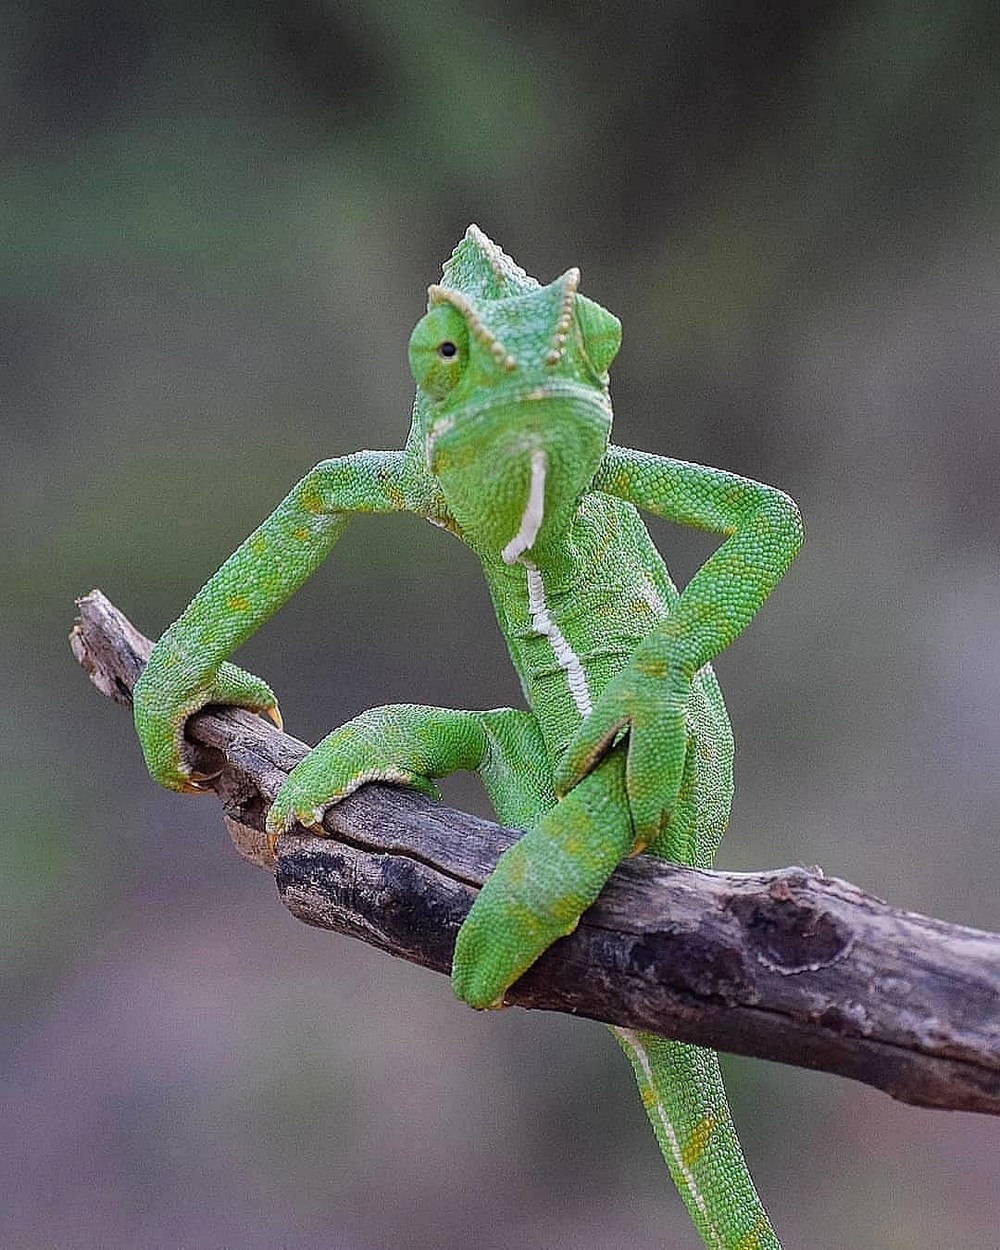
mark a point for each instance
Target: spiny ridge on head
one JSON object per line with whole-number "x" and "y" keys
{"x": 482, "y": 271}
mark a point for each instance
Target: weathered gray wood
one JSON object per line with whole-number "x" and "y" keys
{"x": 786, "y": 965}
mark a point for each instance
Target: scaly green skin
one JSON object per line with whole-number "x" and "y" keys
{"x": 626, "y": 745}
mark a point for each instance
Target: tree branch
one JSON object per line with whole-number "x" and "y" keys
{"x": 785, "y": 965}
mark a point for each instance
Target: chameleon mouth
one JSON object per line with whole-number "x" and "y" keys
{"x": 534, "y": 511}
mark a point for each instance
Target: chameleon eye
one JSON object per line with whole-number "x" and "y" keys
{"x": 439, "y": 351}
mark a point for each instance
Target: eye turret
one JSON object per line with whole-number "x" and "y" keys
{"x": 439, "y": 351}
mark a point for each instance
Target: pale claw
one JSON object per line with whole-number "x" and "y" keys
{"x": 273, "y": 835}
{"x": 198, "y": 783}
{"x": 274, "y": 715}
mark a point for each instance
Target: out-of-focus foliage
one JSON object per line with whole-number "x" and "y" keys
{"x": 218, "y": 223}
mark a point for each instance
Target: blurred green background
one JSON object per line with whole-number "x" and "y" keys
{"x": 219, "y": 223}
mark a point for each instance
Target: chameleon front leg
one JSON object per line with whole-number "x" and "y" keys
{"x": 543, "y": 884}
{"x": 650, "y": 696}
{"x": 187, "y": 668}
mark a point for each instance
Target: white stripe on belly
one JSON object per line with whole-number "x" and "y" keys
{"x": 566, "y": 657}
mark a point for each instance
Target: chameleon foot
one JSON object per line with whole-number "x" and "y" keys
{"x": 274, "y": 832}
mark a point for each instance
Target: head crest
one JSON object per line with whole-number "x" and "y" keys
{"x": 483, "y": 271}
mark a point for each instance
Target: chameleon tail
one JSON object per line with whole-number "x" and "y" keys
{"x": 681, "y": 1089}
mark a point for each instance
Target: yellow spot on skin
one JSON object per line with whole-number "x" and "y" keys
{"x": 648, "y": 1096}
{"x": 238, "y": 603}
{"x": 650, "y": 666}
{"x": 312, "y": 500}
{"x": 302, "y": 533}
{"x": 754, "y": 1239}
{"x": 516, "y": 871}
{"x": 695, "y": 1145}
{"x": 258, "y": 544}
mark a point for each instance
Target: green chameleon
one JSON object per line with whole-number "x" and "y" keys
{"x": 626, "y": 745}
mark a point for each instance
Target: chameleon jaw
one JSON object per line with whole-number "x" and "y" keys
{"x": 534, "y": 511}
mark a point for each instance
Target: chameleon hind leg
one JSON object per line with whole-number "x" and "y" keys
{"x": 543, "y": 883}
{"x": 409, "y": 744}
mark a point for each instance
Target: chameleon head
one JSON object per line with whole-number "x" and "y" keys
{"x": 513, "y": 407}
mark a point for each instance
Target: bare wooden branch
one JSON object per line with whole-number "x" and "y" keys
{"x": 785, "y": 965}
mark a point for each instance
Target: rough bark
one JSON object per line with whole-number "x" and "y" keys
{"x": 786, "y": 965}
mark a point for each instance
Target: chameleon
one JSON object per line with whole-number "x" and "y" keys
{"x": 625, "y": 744}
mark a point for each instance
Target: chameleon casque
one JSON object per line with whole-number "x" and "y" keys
{"x": 625, "y": 744}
